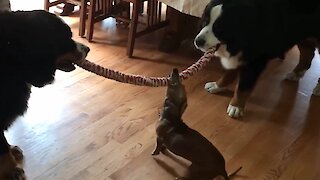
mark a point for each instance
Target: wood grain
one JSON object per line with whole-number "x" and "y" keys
{"x": 87, "y": 127}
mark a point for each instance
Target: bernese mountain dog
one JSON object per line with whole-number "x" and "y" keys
{"x": 248, "y": 33}
{"x": 33, "y": 45}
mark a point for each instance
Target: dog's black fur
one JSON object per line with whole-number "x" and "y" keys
{"x": 33, "y": 44}
{"x": 262, "y": 30}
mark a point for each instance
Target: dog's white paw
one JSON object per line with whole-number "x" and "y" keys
{"x": 212, "y": 87}
{"x": 316, "y": 90}
{"x": 235, "y": 112}
{"x": 292, "y": 76}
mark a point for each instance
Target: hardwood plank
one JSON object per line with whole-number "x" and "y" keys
{"x": 86, "y": 127}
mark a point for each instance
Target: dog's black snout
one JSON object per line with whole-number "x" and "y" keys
{"x": 200, "y": 42}
{"x": 82, "y": 48}
{"x": 86, "y": 49}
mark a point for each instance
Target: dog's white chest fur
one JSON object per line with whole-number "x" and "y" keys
{"x": 227, "y": 61}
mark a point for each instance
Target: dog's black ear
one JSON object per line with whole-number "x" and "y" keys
{"x": 175, "y": 78}
{"x": 205, "y": 18}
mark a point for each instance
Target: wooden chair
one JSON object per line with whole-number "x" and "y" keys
{"x": 48, "y": 4}
{"x": 101, "y": 9}
{"x": 98, "y": 10}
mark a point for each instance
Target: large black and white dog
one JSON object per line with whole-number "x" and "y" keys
{"x": 33, "y": 45}
{"x": 249, "y": 33}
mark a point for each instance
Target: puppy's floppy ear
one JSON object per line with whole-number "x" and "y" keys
{"x": 235, "y": 25}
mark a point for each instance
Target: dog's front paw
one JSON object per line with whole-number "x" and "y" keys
{"x": 316, "y": 90}
{"x": 180, "y": 178}
{"x": 293, "y": 76}
{"x": 10, "y": 169}
{"x": 154, "y": 153}
{"x": 17, "y": 153}
{"x": 157, "y": 151}
{"x": 17, "y": 174}
{"x": 235, "y": 112}
{"x": 212, "y": 87}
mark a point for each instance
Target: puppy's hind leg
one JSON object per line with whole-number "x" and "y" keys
{"x": 159, "y": 147}
{"x": 198, "y": 172}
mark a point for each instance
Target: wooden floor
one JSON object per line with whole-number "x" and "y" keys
{"x": 87, "y": 127}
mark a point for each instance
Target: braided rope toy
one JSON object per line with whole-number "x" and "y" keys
{"x": 143, "y": 80}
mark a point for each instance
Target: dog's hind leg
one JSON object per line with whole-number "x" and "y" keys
{"x": 221, "y": 85}
{"x": 307, "y": 50}
{"x": 159, "y": 147}
{"x": 198, "y": 172}
{"x": 9, "y": 168}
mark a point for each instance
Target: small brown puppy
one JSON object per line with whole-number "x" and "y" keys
{"x": 172, "y": 133}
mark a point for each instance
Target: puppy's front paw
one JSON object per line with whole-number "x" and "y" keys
{"x": 157, "y": 150}
{"x": 316, "y": 90}
{"x": 154, "y": 153}
{"x": 212, "y": 87}
{"x": 10, "y": 169}
{"x": 17, "y": 153}
{"x": 293, "y": 76}
{"x": 235, "y": 112}
{"x": 180, "y": 178}
{"x": 17, "y": 174}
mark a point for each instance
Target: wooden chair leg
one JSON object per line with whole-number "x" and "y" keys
{"x": 46, "y": 5}
{"x": 127, "y": 15}
{"x": 141, "y": 7}
{"x": 133, "y": 28}
{"x": 91, "y": 20}
{"x": 83, "y": 14}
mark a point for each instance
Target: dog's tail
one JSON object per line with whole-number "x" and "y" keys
{"x": 234, "y": 173}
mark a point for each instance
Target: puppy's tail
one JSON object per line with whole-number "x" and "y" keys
{"x": 234, "y": 173}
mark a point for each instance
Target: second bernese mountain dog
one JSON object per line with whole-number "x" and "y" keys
{"x": 33, "y": 45}
{"x": 248, "y": 33}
